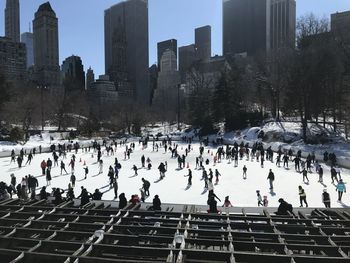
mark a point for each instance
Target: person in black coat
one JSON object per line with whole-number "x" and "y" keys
{"x": 284, "y": 207}
{"x": 84, "y": 196}
{"x": 43, "y": 194}
{"x": 122, "y": 201}
{"x": 156, "y": 203}
{"x": 97, "y": 195}
{"x": 212, "y": 205}
{"x": 48, "y": 177}
{"x": 326, "y": 199}
{"x": 58, "y": 196}
{"x": 145, "y": 186}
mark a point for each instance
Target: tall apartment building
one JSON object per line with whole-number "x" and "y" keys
{"x": 258, "y": 26}
{"x": 170, "y": 44}
{"x": 203, "y": 43}
{"x": 126, "y": 48}
{"x": 27, "y": 39}
{"x": 12, "y": 17}
{"x": 90, "y": 78}
{"x": 46, "y": 50}
{"x": 73, "y": 69}
{"x": 13, "y": 61}
{"x": 187, "y": 56}
{"x": 340, "y": 25}
{"x": 282, "y": 23}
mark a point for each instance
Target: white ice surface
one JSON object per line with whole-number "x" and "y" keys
{"x": 172, "y": 188}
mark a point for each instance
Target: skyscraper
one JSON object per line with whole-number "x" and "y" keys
{"x": 126, "y": 48}
{"x": 12, "y": 27}
{"x": 245, "y": 26}
{"x": 203, "y": 43}
{"x": 90, "y": 78}
{"x": 46, "y": 59}
{"x": 187, "y": 56}
{"x": 258, "y": 26}
{"x": 27, "y": 38}
{"x": 282, "y": 23}
{"x": 166, "y": 95}
{"x": 170, "y": 44}
{"x": 12, "y": 59}
{"x": 73, "y": 71}
{"x": 340, "y": 26}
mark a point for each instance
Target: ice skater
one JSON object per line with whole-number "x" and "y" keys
{"x": 260, "y": 201}
{"x": 100, "y": 165}
{"x": 245, "y": 172}
{"x": 302, "y": 196}
{"x": 304, "y": 172}
{"x": 341, "y": 189}
{"x": 189, "y": 182}
{"x": 271, "y": 178}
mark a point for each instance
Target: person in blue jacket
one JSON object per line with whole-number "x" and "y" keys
{"x": 341, "y": 189}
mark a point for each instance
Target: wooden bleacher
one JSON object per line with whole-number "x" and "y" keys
{"x": 36, "y": 232}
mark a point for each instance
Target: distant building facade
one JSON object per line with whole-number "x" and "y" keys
{"x": 27, "y": 39}
{"x": 90, "y": 78}
{"x": 209, "y": 73}
{"x": 12, "y": 20}
{"x": 170, "y": 44}
{"x": 153, "y": 80}
{"x": 46, "y": 51}
{"x": 340, "y": 26}
{"x": 126, "y": 49}
{"x": 203, "y": 43}
{"x": 102, "y": 96}
{"x": 187, "y": 56}
{"x": 73, "y": 70}
{"x": 282, "y": 23}
{"x": 13, "y": 59}
{"x": 166, "y": 95}
{"x": 258, "y": 26}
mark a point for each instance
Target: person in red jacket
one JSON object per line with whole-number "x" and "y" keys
{"x": 43, "y": 167}
{"x": 135, "y": 199}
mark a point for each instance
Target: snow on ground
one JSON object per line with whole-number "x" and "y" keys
{"x": 172, "y": 189}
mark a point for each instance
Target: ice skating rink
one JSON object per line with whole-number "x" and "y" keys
{"x": 173, "y": 188}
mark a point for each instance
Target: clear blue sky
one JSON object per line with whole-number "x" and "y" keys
{"x": 81, "y": 23}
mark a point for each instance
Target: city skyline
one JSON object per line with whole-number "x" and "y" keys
{"x": 163, "y": 25}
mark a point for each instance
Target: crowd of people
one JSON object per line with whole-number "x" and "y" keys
{"x": 27, "y": 187}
